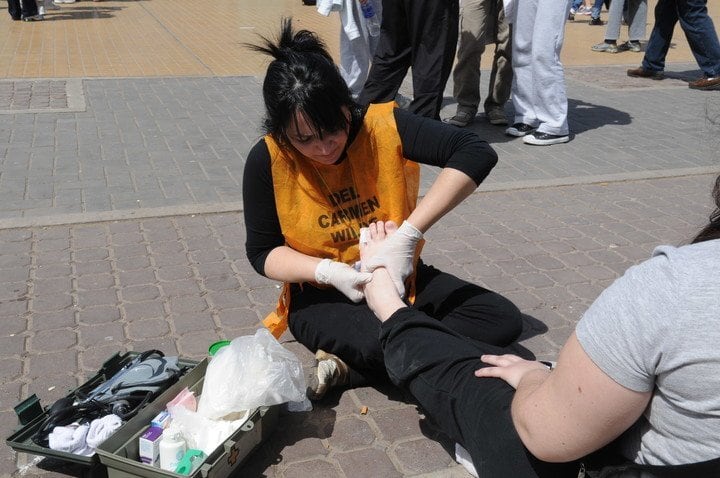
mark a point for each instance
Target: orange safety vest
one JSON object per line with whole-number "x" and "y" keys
{"x": 321, "y": 208}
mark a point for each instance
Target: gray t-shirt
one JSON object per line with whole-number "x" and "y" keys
{"x": 657, "y": 328}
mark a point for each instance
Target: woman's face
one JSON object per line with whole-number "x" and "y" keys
{"x": 324, "y": 151}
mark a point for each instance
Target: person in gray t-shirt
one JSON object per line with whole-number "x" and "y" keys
{"x": 640, "y": 371}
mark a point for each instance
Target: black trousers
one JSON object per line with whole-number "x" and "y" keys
{"x": 326, "y": 319}
{"x": 418, "y": 33}
{"x": 18, "y": 10}
{"x": 436, "y": 365}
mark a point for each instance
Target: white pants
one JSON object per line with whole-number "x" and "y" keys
{"x": 538, "y": 91}
{"x": 356, "y": 52}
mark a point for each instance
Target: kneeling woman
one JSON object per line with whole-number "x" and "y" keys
{"x": 325, "y": 169}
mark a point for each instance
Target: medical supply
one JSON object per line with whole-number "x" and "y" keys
{"x": 149, "y": 446}
{"x": 172, "y": 448}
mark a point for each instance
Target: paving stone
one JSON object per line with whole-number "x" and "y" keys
{"x": 98, "y": 315}
{"x": 143, "y": 310}
{"x": 94, "y": 298}
{"x": 95, "y": 281}
{"x": 238, "y": 318}
{"x": 146, "y": 329}
{"x": 313, "y": 468}
{"x": 421, "y": 456}
{"x": 140, "y": 293}
{"x": 174, "y": 273}
{"x": 93, "y": 335}
{"x": 137, "y": 277}
{"x": 180, "y": 288}
{"x": 53, "y": 340}
{"x": 351, "y": 433}
{"x": 53, "y": 320}
{"x": 398, "y": 424}
{"x": 231, "y": 299}
{"x": 367, "y": 463}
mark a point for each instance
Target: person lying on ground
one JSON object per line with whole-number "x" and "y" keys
{"x": 637, "y": 381}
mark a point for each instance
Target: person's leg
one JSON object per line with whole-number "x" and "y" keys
{"x": 701, "y": 35}
{"x": 501, "y": 74}
{"x": 326, "y": 319}
{"x": 29, "y": 8}
{"x": 657, "y": 47}
{"x": 356, "y": 53}
{"x": 392, "y": 56}
{"x": 474, "y": 30}
{"x": 522, "y": 84}
{"x": 433, "y": 39}
{"x": 14, "y": 9}
{"x": 612, "y": 31}
{"x": 436, "y": 366}
{"x": 637, "y": 20}
{"x": 466, "y": 308}
{"x": 550, "y": 100}
{"x": 596, "y": 9}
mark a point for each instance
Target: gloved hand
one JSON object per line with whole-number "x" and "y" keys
{"x": 396, "y": 254}
{"x": 343, "y": 277}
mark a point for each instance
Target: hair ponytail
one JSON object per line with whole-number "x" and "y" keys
{"x": 302, "y": 78}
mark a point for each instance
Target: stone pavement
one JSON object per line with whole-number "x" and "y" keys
{"x": 121, "y": 225}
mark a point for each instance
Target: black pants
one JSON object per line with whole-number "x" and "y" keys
{"x": 418, "y": 33}
{"x": 326, "y": 319}
{"x": 18, "y": 10}
{"x": 436, "y": 366}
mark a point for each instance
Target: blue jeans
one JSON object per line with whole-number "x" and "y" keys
{"x": 597, "y": 6}
{"x": 698, "y": 28}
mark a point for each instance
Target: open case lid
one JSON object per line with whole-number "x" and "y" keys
{"x": 32, "y": 415}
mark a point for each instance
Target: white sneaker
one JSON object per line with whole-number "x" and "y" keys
{"x": 545, "y": 139}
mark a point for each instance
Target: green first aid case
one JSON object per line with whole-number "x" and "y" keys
{"x": 120, "y": 453}
{"x": 32, "y": 415}
{"x": 118, "y": 456}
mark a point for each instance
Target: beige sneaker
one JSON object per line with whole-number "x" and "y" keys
{"x": 497, "y": 117}
{"x": 329, "y": 372}
{"x": 461, "y": 118}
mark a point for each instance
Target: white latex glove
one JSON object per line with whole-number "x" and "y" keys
{"x": 343, "y": 277}
{"x": 396, "y": 254}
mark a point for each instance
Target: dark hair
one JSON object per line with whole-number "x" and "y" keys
{"x": 302, "y": 78}
{"x": 712, "y": 230}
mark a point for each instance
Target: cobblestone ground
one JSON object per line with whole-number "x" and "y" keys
{"x": 124, "y": 128}
{"x": 74, "y": 295}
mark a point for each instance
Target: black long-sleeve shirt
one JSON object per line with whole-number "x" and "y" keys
{"x": 423, "y": 140}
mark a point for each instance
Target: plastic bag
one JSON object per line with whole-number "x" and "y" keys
{"x": 253, "y": 371}
{"x": 202, "y": 433}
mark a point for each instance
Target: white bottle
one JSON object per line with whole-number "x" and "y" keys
{"x": 172, "y": 448}
{"x": 371, "y": 19}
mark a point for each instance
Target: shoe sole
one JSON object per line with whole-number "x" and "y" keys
{"x": 498, "y": 122}
{"x": 545, "y": 142}
{"x": 705, "y": 88}
{"x": 653, "y": 77}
